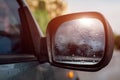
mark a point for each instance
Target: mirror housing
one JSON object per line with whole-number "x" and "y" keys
{"x": 52, "y": 30}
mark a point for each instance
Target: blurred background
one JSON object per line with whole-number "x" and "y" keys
{"x": 45, "y": 10}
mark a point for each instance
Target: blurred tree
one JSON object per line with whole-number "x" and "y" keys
{"x": 45, "y": 10}
{"x": 55, "y": 7}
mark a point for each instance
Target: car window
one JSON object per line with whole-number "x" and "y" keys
{"x": 12, "y": 31}
{"x": 9, "y": 27}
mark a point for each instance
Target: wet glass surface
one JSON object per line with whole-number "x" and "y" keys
{"x": 80, "y": 41}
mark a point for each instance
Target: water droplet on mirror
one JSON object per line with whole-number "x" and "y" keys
{"x": 73, "y": 55}
{"x": 82, "y": 61}
{"x": 94, "y": 55}
{"x": 93, "y": 61}
{"x": 90, "y": 36}
{"x": 96, "y": 34}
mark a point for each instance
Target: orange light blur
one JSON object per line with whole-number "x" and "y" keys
{"x": 70, "y": 74}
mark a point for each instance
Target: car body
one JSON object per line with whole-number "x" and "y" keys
{"x": 30, "y": 70}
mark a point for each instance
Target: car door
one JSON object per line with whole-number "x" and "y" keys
{"x": 10, "y": 43}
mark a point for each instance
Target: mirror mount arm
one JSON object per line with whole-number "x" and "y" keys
{"x": 43, "y": 55}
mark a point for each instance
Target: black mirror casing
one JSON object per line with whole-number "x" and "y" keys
{"x": 109, "y": 41}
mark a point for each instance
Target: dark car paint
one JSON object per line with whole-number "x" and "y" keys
{"x": 32, "y": 71}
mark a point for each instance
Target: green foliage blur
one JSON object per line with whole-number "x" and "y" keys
{"x": 42, "y": 19}
{"x": 41, "y": 15}
{"x": 45, "y": 10}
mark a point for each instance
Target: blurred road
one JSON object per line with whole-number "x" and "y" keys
{"x": 110, "y": 72}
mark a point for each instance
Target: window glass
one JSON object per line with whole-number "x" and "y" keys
{"x": 9, "y": 27}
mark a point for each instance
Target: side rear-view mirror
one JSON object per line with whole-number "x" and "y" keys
{"x": 81, "y": 41}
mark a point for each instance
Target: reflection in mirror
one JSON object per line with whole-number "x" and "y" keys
{"x": 80, "y": 41}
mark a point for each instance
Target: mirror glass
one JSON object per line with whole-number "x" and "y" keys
{"x": 80, "y": 41}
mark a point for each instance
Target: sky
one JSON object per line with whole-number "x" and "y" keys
{"x": 109, "y": 8}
